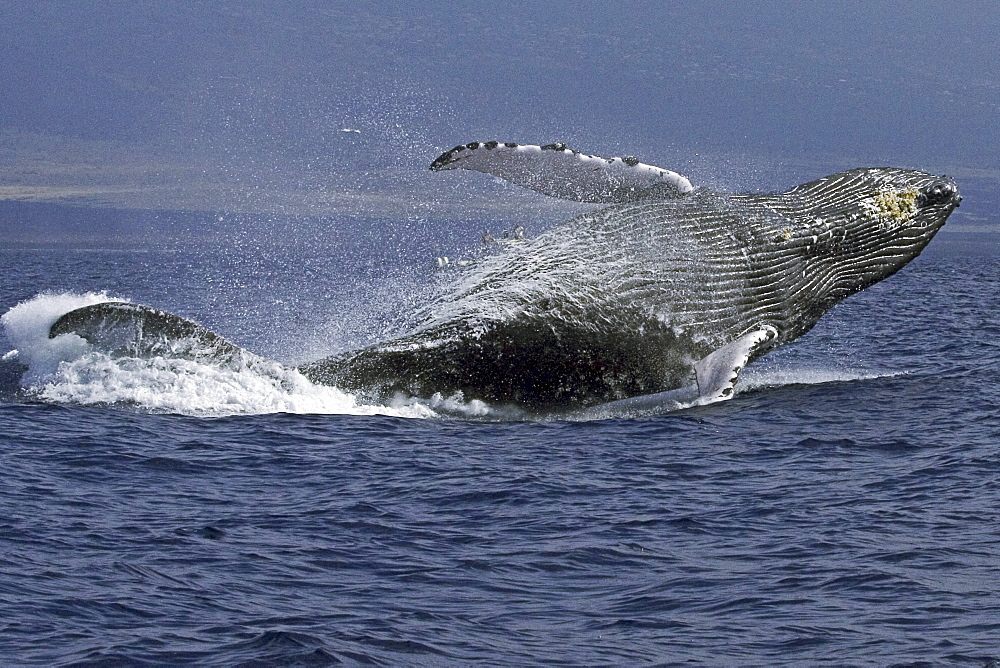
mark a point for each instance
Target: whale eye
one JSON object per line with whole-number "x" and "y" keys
{"x": 939, "y": 193}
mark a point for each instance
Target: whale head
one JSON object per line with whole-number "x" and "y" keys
{"x": 863, "y": 225}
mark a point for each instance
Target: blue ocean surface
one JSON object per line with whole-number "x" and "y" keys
{"x": 843, "y": 508}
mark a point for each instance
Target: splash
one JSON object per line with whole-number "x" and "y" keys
{"x": 26, "y": 327}
{"x": 66, "y": 369}
{"x": 192, "y": 388}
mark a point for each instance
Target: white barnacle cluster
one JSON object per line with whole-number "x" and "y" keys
{"x": 891, "y": 208}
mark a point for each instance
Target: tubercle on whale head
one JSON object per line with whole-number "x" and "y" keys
{"x": 944, "y": 192}
{"x": 910, "y": 206}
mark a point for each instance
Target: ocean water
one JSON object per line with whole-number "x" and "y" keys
{"x": 843, "y": 508}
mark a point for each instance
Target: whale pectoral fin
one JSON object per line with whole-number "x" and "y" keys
{"x": 717, "y": 372}
{"x": 561, "y": 172}
{"x": 123, "y": 329}
{"x": 715, "y": 377}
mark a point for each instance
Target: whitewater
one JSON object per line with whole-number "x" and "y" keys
{"x": 67, "y": 369}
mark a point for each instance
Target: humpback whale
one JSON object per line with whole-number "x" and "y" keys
{"x": 665, "y": 293}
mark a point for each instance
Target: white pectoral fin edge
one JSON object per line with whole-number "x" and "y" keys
{"x": 558, "y": 171}
{"x": 717, "y": 372}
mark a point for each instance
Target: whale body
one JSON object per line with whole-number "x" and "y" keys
{"x": 669, "y": 290}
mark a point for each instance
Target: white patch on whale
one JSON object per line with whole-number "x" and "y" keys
{"x": 558, "y": 171}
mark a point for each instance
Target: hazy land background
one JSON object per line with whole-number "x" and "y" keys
{"x": 196, "y": 120}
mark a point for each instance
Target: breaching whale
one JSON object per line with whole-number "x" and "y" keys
{"x": 665, "y": 293}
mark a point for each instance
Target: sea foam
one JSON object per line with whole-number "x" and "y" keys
{"x": 67, "y": 369}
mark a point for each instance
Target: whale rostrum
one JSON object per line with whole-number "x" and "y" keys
{"x": 663, "y": 295}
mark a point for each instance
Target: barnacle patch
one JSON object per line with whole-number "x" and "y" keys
{"x": 892, "y": 208}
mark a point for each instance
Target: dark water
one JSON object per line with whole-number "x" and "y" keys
{"x": 844, "y": 508}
